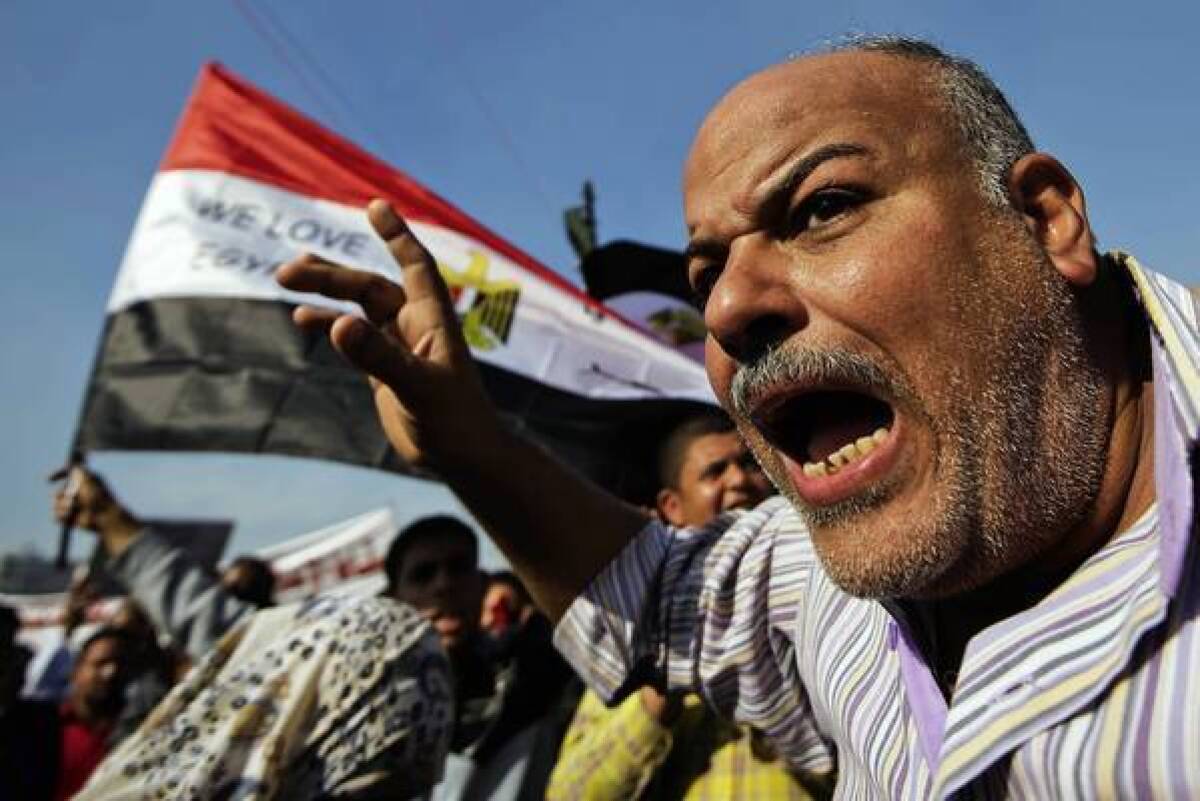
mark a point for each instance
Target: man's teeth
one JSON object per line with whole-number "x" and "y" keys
{"x": 847, "y": 454}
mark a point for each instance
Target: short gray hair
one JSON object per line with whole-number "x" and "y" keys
{"x": 987, "y": 123}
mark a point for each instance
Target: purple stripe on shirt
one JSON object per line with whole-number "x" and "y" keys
{"x": 1172, "y": 478}
{"x": 925, "y": 700}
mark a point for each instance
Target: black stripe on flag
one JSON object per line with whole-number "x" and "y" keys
{"x": 232, "y": 374}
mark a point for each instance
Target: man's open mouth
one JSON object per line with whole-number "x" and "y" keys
{"x": 825, "y": 430}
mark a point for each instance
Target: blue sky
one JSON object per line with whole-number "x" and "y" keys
{"x": 503, "y": 108}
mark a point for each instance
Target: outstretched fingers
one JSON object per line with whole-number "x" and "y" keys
{"x": 407, "y": 328}
{"x": 379, "y": 298}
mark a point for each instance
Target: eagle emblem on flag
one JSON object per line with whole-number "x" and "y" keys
{"x": 485, "y": 307}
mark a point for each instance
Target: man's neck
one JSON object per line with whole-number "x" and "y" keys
{"x": 1121, "y": 338}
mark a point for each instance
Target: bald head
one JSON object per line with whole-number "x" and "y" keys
{"x": 952, "y": 92}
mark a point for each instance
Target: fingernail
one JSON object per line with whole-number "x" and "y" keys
{"x": 387, "y": 216}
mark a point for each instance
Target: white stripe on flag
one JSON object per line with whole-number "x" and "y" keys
{"x": 203, "y": 233}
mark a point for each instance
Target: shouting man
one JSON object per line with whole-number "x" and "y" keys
{"x": 980, "y": 579}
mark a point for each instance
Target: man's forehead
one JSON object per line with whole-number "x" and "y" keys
{"x": 103, "y": 648}
{"x": 788, "y": 106}
{"x": 855, "y": 82}
{"x": 707, "y": 447}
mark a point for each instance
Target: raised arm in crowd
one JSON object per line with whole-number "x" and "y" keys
{"x": 182, "y": 597}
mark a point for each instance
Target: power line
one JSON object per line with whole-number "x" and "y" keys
{"x": 279, "y": 50}
{"x": 277, "y": 37}
{"x": 324, "y": 78}
{"x": 531, "y": 177}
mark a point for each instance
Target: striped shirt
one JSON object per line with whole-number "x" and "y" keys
{"x": 1094, "y": 692}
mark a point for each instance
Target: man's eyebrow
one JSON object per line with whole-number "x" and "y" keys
{"x": 780, "y": 189}
{"x": 804, "y": 167}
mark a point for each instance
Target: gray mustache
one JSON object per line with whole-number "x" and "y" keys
{"x": 779, "y": 365}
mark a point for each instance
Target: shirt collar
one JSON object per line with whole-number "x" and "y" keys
{"x": 1171, "y": 313}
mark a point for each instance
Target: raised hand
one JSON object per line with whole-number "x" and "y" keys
{"x": 87, "y": 503}
{"x": 434, "y": 409}
{"x": 427, "y": 389}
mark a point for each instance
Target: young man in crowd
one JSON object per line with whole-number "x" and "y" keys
{"x": 507, "y": 605}
{"x": 505, "y": 695}
{"x": 49, "y": 748}
{"x": 981, "y": 578}
{"x": 89, "y": 713}
{"x": 657, "y": 747}
{"x": 152, "y": 667}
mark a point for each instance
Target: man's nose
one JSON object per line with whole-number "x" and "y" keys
{"x": 754, "y": 303}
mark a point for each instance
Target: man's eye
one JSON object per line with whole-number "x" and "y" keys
{"x": 823, "y": 207}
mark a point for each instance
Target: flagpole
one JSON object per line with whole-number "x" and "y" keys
{"x": 72, "y": 492}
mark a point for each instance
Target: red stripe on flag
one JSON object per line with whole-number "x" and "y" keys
{"x": 229, "y": 125}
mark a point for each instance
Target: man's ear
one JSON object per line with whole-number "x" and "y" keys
{"x": 670, "y": 506}
{"x": 1046, "y": 194}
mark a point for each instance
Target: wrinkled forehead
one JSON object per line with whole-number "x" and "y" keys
{"x": 712, "y": 447}
{"x": 885, "y": 102}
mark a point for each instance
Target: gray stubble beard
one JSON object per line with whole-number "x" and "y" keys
{"x": 1018, "y": 471}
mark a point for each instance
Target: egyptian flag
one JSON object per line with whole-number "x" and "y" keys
{"x": 199, "y": 351}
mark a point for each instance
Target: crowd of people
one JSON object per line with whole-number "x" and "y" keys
{"x": 196, "y": 682}
{"x": 977, "y": 580}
